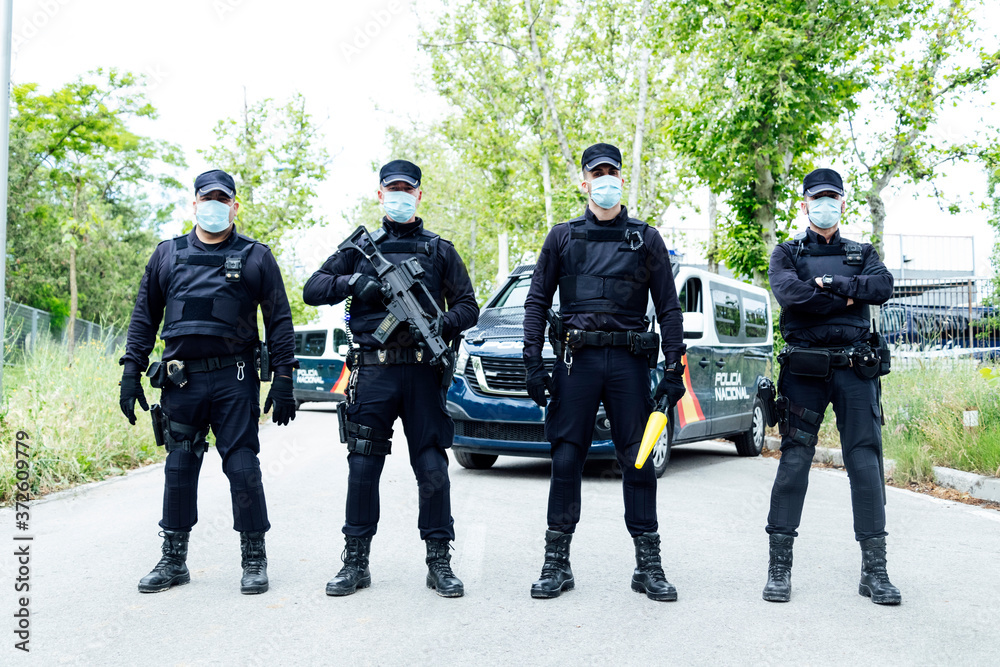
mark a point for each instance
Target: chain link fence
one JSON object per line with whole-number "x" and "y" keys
{"x": 25, "y": 326}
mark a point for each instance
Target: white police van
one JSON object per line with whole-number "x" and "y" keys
{"x": 727, "y": 329}
{"x": 322, "y": 374}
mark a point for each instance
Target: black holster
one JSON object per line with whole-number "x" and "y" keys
{"x": 363, "y": 440}
{"x": 191, "y": 438}
{"x": 557, "y": 332}
{"x": 881, "y": 347}
{"x": 767, "y": 395}
{"x": 646, "y": 344}
{"x": 156, "y": 412}
{"x": 866, "y": 363}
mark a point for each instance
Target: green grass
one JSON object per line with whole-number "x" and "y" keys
{"x": 923, "y": 408}
{"x": 77, "y": 432}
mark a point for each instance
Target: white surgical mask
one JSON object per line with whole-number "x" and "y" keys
{"x": 824, "y": 212}
{"x": 212, "y": 215}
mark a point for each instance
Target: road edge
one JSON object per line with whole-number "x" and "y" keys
{"x": 978, "y": 486}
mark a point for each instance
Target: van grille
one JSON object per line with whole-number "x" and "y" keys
{"x": 502, "y": 375}
{"x": 500, "y": 431}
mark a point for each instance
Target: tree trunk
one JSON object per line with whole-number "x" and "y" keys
{"x": 877, "y": 208}
{"x": 640, "y": 114}
{"x": 472, "y": 250}
{"x": 713, "y": 230}
{"x": 71, "y": 328}
{"x": 550, "y": 102}
{"x": 764, "y": 215}
{"x": 547, "y": 186}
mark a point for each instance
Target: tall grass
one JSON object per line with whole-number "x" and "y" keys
{"x": 924, "y": 401}
{"x": 70, "y": 411}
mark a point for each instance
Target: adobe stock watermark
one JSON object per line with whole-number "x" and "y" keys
{"x": 377, "y": 21}
{"x": 223, "y": 7}
{"x": 35, "y": 22}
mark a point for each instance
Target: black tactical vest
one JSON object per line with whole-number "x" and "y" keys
{"x": 845, "y": 258}
{"x": 206, "y": 291}
{"x": 365, "y": 317}
{"x": 605, "y": 267}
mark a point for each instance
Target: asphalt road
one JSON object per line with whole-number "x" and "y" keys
{"x": 92, "y": 545}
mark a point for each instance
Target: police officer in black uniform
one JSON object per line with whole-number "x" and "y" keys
{"x": 206, "y": 287}
{"x": 824, "y": 284}
{"x": 395, "y": 379}
{"x": 605, "y": 265}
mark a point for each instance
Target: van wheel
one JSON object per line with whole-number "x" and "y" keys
{"x": 660, "y": 456}
{"x": 474, "y": 461}
{"x": 752, "y": 442}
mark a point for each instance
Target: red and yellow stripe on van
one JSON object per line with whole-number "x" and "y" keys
{"x": 688, "y": 408}
{"x": 340, "y": 386}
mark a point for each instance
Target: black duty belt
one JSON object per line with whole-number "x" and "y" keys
{"x": 214, "y": 363}
{"x": 405, "y": 355}
{"x": 578, "y": 338}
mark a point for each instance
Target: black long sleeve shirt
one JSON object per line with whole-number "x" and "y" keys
{"x": 551, "y": 267}
{"x": 329, "y": 285}
{"x": 262, "y": 278}
{"x": 873, "y": 286}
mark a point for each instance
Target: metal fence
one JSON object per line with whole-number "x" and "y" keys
{"x": 943, "y": 314}
{"x": 25, "y": 326}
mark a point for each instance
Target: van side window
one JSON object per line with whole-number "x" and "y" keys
{"x": 690, "y": 296}
{"x": 298, "y": 344}
{"x": 756, "y": 318}
{"x": 314, "y": 344}
{"x": 727, "y": 314}
{"x": 339, "y": 338}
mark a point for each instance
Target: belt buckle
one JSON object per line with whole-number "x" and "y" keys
{"x": 381, "y": 356}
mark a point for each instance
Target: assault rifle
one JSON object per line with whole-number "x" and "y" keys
{"x": 403, "y": 292}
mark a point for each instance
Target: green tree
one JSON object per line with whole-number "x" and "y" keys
{"x": 761, "y": 84}
{"x": 912, "y": 92}
{"x": 81, "y": 223}
{"x": 276, "y": 155}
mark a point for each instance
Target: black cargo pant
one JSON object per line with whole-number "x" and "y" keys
{"x": 621, "y": 380}
{"x": 855, "y": 403}
{"x": 413, "y": 393}
{"x": 231, "y": 406}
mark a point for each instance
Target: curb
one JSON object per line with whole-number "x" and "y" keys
{"x": 977, "y": 486}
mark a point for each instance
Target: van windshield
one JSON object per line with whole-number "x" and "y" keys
{"x": 514, "y": 294}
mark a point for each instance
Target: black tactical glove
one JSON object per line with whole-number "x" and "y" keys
{"x": 537, "y": 380}
{"x": 131, "y": 391}
{"x": 671, "y": 386}
{"x": 365, "y": 288}
{"x": 283, "y": 400}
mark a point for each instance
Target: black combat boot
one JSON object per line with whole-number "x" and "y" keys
{"x": 556, "y": 573}
{"x": 875, "y": 582}
{"x": 254, "y": 564}
{"x": 172, "y": 569}
{"x": 648, "y": 577}
{"x": 779, "y": 569}
{"x": 439, "y": 574}
{"x": 355, "y": 573}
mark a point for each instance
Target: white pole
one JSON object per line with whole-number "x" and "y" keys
{"x": 5, "y": 34}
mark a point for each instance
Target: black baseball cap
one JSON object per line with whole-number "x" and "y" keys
{"x": 820, "y": 180}
{"x": 601, "y": 154}
{"x": 216, "y": 179}
{"x": 399, "y": 170}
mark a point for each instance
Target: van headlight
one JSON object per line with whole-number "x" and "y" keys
{"x": 463, "y": 359}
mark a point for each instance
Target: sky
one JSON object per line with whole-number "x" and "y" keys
{"x": 360, "y": 69}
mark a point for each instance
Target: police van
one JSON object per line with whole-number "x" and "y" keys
{"x": 322, "y": 374}
{"x": 727, "y": 329}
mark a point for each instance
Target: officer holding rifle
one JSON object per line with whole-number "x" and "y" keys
{"x": 606, "y": 266}
{"x": 206, "y": 287}
{"x": 398, "y": 370}
{"x": 824, "y": 284}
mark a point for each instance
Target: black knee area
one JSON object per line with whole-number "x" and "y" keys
{"x": 180, "y": 492}
{"x": 639, "y": 492}
{"x": 246, "y": 486}
{"x": 564, "y": 488}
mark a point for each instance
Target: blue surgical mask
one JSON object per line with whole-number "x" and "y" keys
{"x": 213, "y": 216}
{"x": 824, "y": 212}
{"x": 606, "y": 191}
{"x": 399, "y": 206}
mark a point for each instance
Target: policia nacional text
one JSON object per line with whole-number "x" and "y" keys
{"x": 409, "y": 298}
